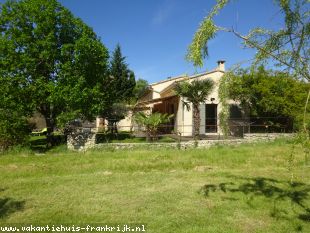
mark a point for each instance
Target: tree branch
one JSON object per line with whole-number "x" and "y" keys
{"x": 255, "y": 45}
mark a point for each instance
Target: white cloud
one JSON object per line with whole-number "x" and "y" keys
{"x": 163, "y": 13}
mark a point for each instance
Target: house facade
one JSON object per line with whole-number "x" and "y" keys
{"x": 160, "y": 97}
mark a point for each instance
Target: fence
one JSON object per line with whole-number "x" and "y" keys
{"x": 237, "y": 127}
{"x": 240, "y": 130}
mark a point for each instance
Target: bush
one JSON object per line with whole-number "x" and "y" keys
{"x": 14, "y": 129}
{"x": 151, "y": 122}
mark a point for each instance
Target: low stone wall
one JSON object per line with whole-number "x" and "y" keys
{"x": 121, "y": 146}
{"x": 265, "y": 136}
{"x": 87, "y": 140}
{"x": 82, "y": 139}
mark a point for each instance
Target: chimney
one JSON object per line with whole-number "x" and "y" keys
{"x": 221, "y": 65}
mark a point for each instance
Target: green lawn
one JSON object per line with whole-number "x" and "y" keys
{"x": 126, "y": 137}
{"x": 223, "y": 189}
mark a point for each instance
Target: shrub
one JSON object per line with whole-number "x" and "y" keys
{"x": 151, "y": 122}
{"x": 14, "y": 129}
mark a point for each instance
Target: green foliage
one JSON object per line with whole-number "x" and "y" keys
{"x": 52, "y": 62}
{"x": 265, "y": 93}
{"x": 195, "y": 92}
{"x": 198, "y": 49}
{"x": 122, "y": 92}
{"x": 122, "y": 79}
{"x": 223, "y": 93}
{"x": 151, "y": 122}
{"x": 268, "y": 93}
{"x": 288, "y": 47}
{"x": 117, "y": 112}
{"x": 14, "y": 129}
{"x": 140, "y": 88}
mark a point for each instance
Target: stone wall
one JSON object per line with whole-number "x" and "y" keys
{"x": 265, "y": 136}
{"x": 81, "y": 139}
{"x": 85, "y": 140}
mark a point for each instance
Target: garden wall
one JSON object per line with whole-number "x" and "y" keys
{"x": 87, "y": 140}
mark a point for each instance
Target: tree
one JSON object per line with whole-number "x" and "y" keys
{"x": 139, "y": 89}
{"x": 117, "y": 112}
{"x": 123, "y": 79}
{"x": 14, "y": 129}
{"x": 288, "y": 47}
{"x": 52, "y": 62}
{"x": 151, "y": 122}
{"x": 268, "y": 93}
{"x": 196, "y": 93}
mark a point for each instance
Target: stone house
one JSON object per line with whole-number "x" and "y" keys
{"x": 160, "y": 97}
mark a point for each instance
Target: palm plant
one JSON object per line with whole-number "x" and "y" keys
{"x": 195, "y": 92}
{"x": 151, "y": 122}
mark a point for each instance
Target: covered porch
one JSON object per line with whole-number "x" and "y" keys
{"x": 166, "y": 105}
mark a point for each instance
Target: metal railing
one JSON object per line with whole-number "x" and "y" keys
{"x": 237, "y": 127}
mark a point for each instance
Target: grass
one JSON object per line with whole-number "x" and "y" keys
{"x": 127, "y": 137}
{"x": 243, "y": 188}
{"x": 142, "y": 140}
{"x": 39, "y": 143}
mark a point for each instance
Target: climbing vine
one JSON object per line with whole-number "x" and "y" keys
{"x": 223, "y": 97}
{"x": 198, "y": 49}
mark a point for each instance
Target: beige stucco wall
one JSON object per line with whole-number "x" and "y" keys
{"x": 125, "y": 124}
{"x": 185, "y": 117}
{"x": 128, "y": 123}
{"x": 160, "y": 86}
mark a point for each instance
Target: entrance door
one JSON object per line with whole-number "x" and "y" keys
{"x": 211, "y": 118}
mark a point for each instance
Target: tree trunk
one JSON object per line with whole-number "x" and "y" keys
{"x": 196, "y": 115}
{"x": 49, "y": 134}
{"x": 49, "y": 121}
{"x": 148, "y": 135}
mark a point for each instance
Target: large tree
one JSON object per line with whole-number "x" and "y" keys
{"x": 51, "y": 62}
{"x": 122, "y": 81}
{"x": 267, "y": 93}
{"x": 287, "y": 47}
{"x": 122, "y": 78}
{"x": 139, "y": 89}
{"x": 195, "y": 93}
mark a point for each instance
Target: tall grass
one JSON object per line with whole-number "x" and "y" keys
{"x": 243, "y": 188}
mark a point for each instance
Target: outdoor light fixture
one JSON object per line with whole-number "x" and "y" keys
{"x": 212, "y": 99}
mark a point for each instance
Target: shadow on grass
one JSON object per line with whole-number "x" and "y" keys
{"x": 276, "y": 191}
{"x": 126, "y": 137}
{"x": 39, "y": 144}
{"x": 9, "y": 206}
{"x": 108, "y": 137}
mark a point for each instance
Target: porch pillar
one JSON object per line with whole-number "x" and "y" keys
{"x": 202, "y": 129}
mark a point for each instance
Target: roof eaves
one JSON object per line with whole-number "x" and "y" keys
{"x": 156, "y": 100}
{"x": 167, "y": 80}
{"x": 189, "y": 77}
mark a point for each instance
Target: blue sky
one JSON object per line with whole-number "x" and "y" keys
{"x": 154, "y": 34}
